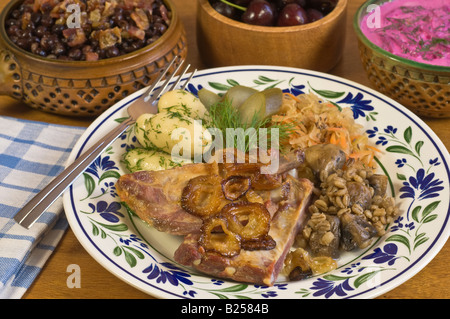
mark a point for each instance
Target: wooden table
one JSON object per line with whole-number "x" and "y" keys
{"x": 96, "y": 282}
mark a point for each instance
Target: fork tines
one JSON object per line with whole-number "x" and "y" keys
{"x": 161, "y": 90}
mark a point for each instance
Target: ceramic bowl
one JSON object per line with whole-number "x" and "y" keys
{"x": 422, "y": 88}
{"x": 84, "y": 88}
{"x": 317, "y": 46}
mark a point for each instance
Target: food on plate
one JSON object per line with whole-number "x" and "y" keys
{"x": 274, "y": 12}
{"x": 244, "y": 223}
{"x": 415, "y": 30}
{"x": 172, "y": 137}
{"x": 249, "y": 104}
{"x": 348, "y": 212}
{"x": 203, "y": 196}
{"x": 184, "y": 102}
{"x": 86, "y": 30}
{"x": 155, "y": 196}
{"x": 261, "y": 266}
{"x": 299, "y": 264}
{"x": 145, "y": 159}
{"x": 235, "y": 186}
{"x": 319, "y": 122}
{"x": 322, "y": 159}
{"x": 251, "y": 221}
{"x": 171, "y": 132}
{"x": 216, "y": 237}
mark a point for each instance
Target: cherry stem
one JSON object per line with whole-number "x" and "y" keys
{"x": 234, "y": 5}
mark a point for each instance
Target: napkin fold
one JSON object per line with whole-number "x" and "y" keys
{"x": 31, "y": 155}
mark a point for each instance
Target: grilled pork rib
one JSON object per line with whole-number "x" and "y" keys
{"x": 257, "y": 266}
{"x": 155, "y": 196}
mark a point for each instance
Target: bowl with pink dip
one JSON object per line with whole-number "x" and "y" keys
{"x": 405, "y": 50}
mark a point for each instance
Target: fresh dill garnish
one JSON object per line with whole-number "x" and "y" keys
{"x": 223, "y": 116}
{"x": 176, "y": 109}
{"x": 176, "y": 114}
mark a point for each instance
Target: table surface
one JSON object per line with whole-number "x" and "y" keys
{"x": 96, "y": 282}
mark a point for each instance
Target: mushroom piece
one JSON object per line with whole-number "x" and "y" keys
{"x": 325, "y": 243}
{"x": 379, "y": 184}
{"x": 359, "y": 194}
{"x": 355, "y": 232}
{"x": 324, "y": 157}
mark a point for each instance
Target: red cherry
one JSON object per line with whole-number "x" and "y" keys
{"x": 259, "y": 12}
{"x": 292, "y": 14}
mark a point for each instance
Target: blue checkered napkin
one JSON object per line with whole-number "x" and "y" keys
{"x": 31, "y": 155}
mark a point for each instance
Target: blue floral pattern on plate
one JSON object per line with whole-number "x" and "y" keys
{"x": 414, "y": 160}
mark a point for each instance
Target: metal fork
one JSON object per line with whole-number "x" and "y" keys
{"x": 146, "y": 103}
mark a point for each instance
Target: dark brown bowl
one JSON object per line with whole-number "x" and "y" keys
{"x": 84, "y": 88}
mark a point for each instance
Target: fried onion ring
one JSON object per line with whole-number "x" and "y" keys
{"x": 218, "y": 238}
{"x": 231, "y": 169}
{"x": 266, "y": 182}
{"x": 251, "y": 221}
{"x": 203, "y": 196}
{"x": 235, "y": 186}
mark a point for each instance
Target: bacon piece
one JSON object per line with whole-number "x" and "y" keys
{"x": 109, "y": 37}
{"x": 140, "y": 18}
{"x": 74, "y": 36}
{"x": 164, "y": 14}
{"x": 136, "y": 32}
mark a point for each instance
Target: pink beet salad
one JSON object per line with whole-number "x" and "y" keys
{"x": 415, "y": 30}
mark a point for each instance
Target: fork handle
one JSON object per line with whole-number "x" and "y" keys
{"x": 28, "y": 215}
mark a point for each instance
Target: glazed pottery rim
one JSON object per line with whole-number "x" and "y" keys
{"x": 398, "y": 59}
{"x": 11, "y": 46}
{"x": 336, "y": 12}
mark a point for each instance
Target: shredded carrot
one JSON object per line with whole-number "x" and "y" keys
{"x": 337, "y": 129}
{"x": 343, "y": 142}
{"x": 333, "y": 139}
{"x": 339, "y": 137}
{"x": 316, "y": 121}
{"x": 292, "y": 96}
{"x": 359, "y": 154}
{"x": 374, "y": 148}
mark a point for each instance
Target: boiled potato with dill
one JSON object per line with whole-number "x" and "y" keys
{"x": 171, "y": 132}
{"x": 183, "y": 102}
{"x": 144, "y": 159}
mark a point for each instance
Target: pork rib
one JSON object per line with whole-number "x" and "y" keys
{"x": 155, "y": 196}
{"x": 258, "y": 266}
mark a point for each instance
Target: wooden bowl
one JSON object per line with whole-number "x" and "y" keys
{"x": 316, "y": 46}
{"x": 422, "y": 88}
{"x": 84, "y": 88}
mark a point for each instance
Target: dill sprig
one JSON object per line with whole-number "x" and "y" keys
{"x": 223, "y": 116}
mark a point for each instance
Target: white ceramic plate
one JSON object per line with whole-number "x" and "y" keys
{"x": 415, "y": 160}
